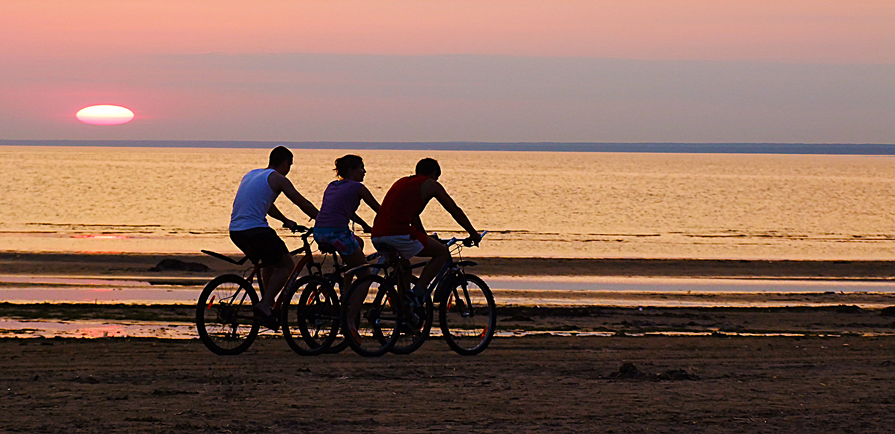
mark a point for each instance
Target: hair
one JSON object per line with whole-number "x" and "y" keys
{"x": 279, "y": 155}
{"x": 346, "y": 164}
{"x": 428, "y": 167}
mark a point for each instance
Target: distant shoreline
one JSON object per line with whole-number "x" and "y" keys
{"x": 128, "y": 264}
{"x": 879, "y": 149}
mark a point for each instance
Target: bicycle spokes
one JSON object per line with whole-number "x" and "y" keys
{"x": 221, "y": 327}
{"x": 468, "y": 316}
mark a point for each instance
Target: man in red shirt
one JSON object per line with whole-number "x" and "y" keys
{"x": 398, "y": 223}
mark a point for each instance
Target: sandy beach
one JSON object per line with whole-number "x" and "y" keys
{"x": 534, "y": 384}
{"x": 616, "y": 369}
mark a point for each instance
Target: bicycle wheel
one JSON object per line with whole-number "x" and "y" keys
{"x": 413, "y": 331}
{"x": 224, "y": 316}
{"x": 340, "y": 343}
{"x": 371, "y": 305}
{"x": 309, "y": 314}
{"x": 468, "y": 316}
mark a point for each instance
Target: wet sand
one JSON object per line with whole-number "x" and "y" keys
{"x": 531, "y": 384}
{"x": 835, "y": 320}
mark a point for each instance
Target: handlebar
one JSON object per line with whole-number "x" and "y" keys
{"x": 454, "y": 240}
{"x": 305, "y": 231}
{"x": 299, "y": 228}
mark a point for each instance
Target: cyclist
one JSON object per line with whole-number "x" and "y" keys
{"x": 398, "y": 223}
{"x": 250, "y": 232}
{"x": 339, "y": 206}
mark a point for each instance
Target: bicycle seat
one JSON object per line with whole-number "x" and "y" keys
{"x": 225, "y": 258}
{"x": 388, "y": 251}
{"x": 326, "y": 248}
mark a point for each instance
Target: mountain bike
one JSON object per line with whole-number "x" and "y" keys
{"x": 383, "y": 321}
{"x": 227, "y": 325}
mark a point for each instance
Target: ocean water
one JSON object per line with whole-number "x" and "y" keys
{"x": 534, "y": 204}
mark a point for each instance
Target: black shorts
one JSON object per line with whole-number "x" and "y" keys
{"x": 260, "y": 244}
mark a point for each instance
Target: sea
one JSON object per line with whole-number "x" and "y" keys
{"x": 694, "y": 203}
{"x": 724, "y": 201}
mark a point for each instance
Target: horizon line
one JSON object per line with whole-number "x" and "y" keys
{"x": 620, "y": 147}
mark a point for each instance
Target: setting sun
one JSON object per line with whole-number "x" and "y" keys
{"x": 105, "y": 115}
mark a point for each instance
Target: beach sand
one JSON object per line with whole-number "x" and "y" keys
{"x": 721, "y": 369}
{"x": 531, "y": 384}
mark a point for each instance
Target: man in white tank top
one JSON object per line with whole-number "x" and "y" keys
{"x": 249, "y": 229}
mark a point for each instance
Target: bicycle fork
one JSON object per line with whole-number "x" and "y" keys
{"x": 456, "y": 296}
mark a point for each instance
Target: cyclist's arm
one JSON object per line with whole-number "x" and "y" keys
{"x": 365, "y": 194}
{"x": 280, "y": 183}
{"x": 363, "y": 224}
{"x": 274, "y": 212}
{"x": 439, "y": 193}
{"x": 368, "y": 198}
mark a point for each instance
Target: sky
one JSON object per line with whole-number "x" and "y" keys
{"x": 779, "y": 71}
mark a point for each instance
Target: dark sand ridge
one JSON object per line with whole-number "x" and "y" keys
{"x": 134, "y": 264}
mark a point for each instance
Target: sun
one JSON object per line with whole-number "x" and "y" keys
{"x": 105, "y": 115}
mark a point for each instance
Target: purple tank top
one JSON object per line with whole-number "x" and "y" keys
{"x": 340, "y": 201}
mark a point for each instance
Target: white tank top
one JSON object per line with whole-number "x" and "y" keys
{"x": 253, "y": 199}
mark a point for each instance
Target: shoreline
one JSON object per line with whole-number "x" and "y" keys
{"x": 681, "y": 309}
{"x": 111, "y": 264}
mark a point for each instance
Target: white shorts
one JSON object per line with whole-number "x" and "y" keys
{"x": 406, "y": 245}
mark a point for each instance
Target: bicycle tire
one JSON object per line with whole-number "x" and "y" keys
{"x": 309, "y": 314}
{"x": 340, "y": 343}
{"x": 468, "y": 315}
{"x": 224, "y": 317}
{"x": 376, "y": 319}
{"x": 412, "y": 338}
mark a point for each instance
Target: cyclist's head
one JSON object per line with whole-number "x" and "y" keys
{"x": 347, "y": 164}
{"x": 278, "y": 156}
{"x": 428, "y": 167}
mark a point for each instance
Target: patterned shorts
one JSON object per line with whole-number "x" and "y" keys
{"x": 343, "y": 240}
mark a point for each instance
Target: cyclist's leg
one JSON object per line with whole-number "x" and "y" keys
{"x": 439, "y": 255}
{"x": 355, "y": 304}
{"x": 274, "y": 278}
{"x": 355, "y": 259}
{"x": 349, "y": 247}
{"x": 262, "y": 244}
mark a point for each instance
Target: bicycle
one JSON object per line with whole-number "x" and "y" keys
{"x": 314, "y": 316}
{"x": 384, "y": 321}
{"x": 227, "y": 325}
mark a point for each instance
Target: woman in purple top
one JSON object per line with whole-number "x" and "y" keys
{"x": 340, "y": 202}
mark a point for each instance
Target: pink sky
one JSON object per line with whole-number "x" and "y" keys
{"x": 61, "y": 56}
{"x": 837, "y": 31}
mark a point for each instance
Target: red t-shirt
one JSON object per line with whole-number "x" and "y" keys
{"x": 401, "y": 205}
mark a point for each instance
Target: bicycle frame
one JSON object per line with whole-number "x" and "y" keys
{"x": 306, "y": 261}
{"x": 441, "y": 279}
